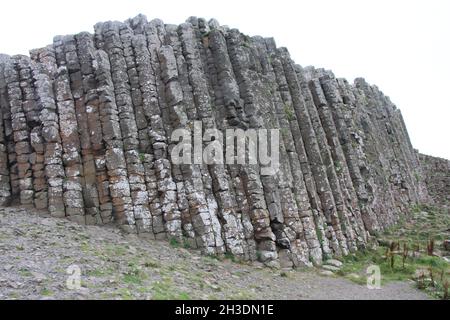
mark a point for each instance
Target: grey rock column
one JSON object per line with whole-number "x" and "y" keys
{"x": 205, "y": 222}
{"x": 43, "y": 75}
{"x": 5, "y": 186}
{"x": 73, "y": 195}
{"x": 97, "y": 203}
{"x": 114, "y": 160}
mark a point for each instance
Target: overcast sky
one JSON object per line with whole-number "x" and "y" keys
{"x": 401, "y": 46}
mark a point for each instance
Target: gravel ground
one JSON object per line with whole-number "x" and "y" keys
{"x": 39, "y": 254}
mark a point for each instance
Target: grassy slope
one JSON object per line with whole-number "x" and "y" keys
{"x": 409, "y": 259}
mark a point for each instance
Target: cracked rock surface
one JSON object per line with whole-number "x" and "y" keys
{"x": 86, "y": 134}
{"x": 437, "y": 177}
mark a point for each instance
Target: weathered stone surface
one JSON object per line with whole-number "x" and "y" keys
{"x": 86, "y": 134}
{"x": 437, "y": 178}
{"x": 330, "y": 268}
{"x": 334, "y": 263}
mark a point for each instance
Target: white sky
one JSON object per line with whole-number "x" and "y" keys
{"x": 401, "y": 46}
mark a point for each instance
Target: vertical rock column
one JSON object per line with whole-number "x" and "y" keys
{"x": 238, "y": 101}
{"x": 349, "y": 135}
{"x": 227, "y": 225}
{"x": 19, "y": 94}
{"x": 232, "y": 226}
{"x": 169, "y": 102}
{"x": 206, "y": 225}
{"x": 37, "y": 143}
{"x": 40, "y": 184}
{"x": 298, "y": 226}
{"x": 134, "y": 154}
{"x": 272, "y": 69}
{"x": 374, "y": 166}
{"x": 384, "y": 173}
{"x": 114, "y": 160}
{"x": 332, "y": 229}
{"x": 415, "y": 165}
{"x": 5, "y": 186}
{"x": 32, "y": 122}
{"x": 344, "y": 191}
{"x": 402, "y": 149}
{"x": 144, "y": 108}
{"x": 8, "y": 73}
{"x": 75, "y": 138}
{"x": 155, "y": 108}
{"x": 172, "y": 64}
{"x": 177, "y": 113}
{"x": 43, "y": 76}
{"x": 340, "y": 223}
{"x": 114, "y": 36}
{"x": 97, "y": 200}
{"x": 316, "y": 218}
{"x": 286, "y": 227}
{"x": 189, "y": 177}
{"x": 73, "y": 191}
{"x": 329, "y": 99}
{"x": 437, "y": 177}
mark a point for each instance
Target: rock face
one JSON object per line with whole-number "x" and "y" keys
{"x": 86, "y": 134}
{"x": 437, "y": 178}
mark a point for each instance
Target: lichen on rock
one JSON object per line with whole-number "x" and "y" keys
{"x": 87, "y": 125}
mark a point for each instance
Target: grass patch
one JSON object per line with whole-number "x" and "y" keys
{"x": 289, "y": 112}
{"x": 100, "y": 272}
{"x": 408, "y": 251}
{"x": 165, "y": 290}
{"x": 177, "y": 243}
{"x": 230, "y": 256}
{"x": 25, "y": 272}
{"x": 85, "y": 247}
{"x": 152, "y": 264}
{"x": 107, "y": 252}
{"x": 134, "y": 274}
{"x": 45, "y": 292}
{"x": 174, "y": 243}
{"x": 125, "y": 294}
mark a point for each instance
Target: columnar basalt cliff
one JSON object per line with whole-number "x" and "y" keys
{"x": 86, "y": 134}
{"x": 437, "y": 177}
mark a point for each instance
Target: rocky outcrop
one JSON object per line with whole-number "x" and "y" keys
{"x": 87, "y": 125}
{"x": 437, "y": 178}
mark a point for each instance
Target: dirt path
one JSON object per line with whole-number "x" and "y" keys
{"x": 36, "y": 252}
